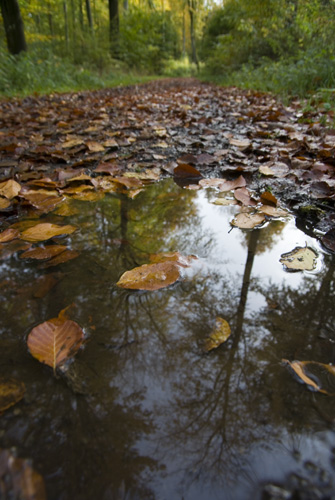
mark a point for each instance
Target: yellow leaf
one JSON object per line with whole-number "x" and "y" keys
{"x": 150, "y": 276}
{"x": 219, "y": 335}
{"x": 9, "y": 189}
{"x": 318, "y": 376}
{"x": 248, "y": 221}
{"x": 300, "y": 259}
{"x": 45, "y": 231}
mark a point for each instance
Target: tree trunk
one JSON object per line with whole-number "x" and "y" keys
{"x": 89, "y": 14}
{"x": 114, "y": 26}
{"x": 191, "y": 9}
{"x": 13, "y": 23}
{"x": 66, "y": 24}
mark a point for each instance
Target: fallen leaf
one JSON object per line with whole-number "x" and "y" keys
{"x": 248, "y": 221}
{"x": 11, "y": 392}
{"x": 231, "y": 185}
{"x": 300, "y": 259}
{"x": 9, "y": 189}
{"x": 186, "y": 171}
{"x": 243, "y": 195}
{"x": 150, "y": 276}
{"x": 55, "y": 341}
{"x": 318, "y": 376}
{"x": 12, "y": 247}
{"x": 9, "y": 235}
{"x": 182, "y": 260}
{"x": 45, "y": 231}
{"x": 214, "y": 182}
{"x": 273, "y": 211}
{"x": 328, "y": 240}
{"x": 60, "y": 258}
{"x": 94, "y": 146}
{"x": 265, "y": 170}
{"x": 72, "y": 143}
{"x": 219, "y": 335}
{"x": 18, "y": 480}
{"x": 4, "y": 203}
{"x": 268, "y": 199}
{"x": 240, "y": 143}
{"x": 43, "y": 253}
{"x": 224, "y": 202}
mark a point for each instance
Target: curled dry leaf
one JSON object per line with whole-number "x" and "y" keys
{"x": 55, "y": 341}
{"x": 248, "y": 221}
{"x": 318, "y": 376}
{"x": 219, "y": 335}
{"x": 150, "y": 276}
{"x": 18, "y": 480}
{"x": 243, "y": 195}
{"x": 300, "y": 259}
{"x": 268, "y": 199}
{"x": 45, "y": 231}
{"x": 11, "y": 392}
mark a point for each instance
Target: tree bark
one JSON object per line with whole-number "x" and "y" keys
{"x": 89, "y": 14}
{"x": 66, "y": 24}
{"x": 114, "y": 26}
{"x": 13, "y": 23}
{"x": 191, "y": 10}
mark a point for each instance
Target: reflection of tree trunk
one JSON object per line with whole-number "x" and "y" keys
{"x": 252, "y": 246}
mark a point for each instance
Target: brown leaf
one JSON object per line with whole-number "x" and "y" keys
{"x": 45, "y": 231}
{"x": 9, "y": 235}
{"x": 186, "y": 171}
{"x": 243, "y": 195}
{"x": 213, "y": 182}
{"x": 9, "y": 189}
{"x": 60, "y": 259}
{"x": 268, "y": 199}
{"x": 240, "y": 143}
{"x": 328, "y": 240}
{"x": 72, "y": 143}
{"x": 55, "y": 341}
{"x": 150, "y": 276}
{"x": 11, "y": 392}
{"x": 43, "y": 253}
{"x": 318, "y": 376}
{"x": 108, "y": 168}
{"x": 231, "y": 185}
{"x": 94, "y": 146}
{"x": 182, "y": 260}
{"x": 18, "y": 480}
{"x": 248, "y": 221}
{"x": 4, "y": 203}
{"x": 219, "y": 335}
{"x": 273, "y": 211}
{"x": 11, "y": 248}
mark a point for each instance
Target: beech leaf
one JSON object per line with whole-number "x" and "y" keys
{"x": 9, "y": 189}
{"x": 219, "y": 335}
{"x": 186, "y": 171}
{"x": 55, "y": 341}
{"x": 318, "y": 376}
{"x": 11, "y": 392}
{"x": 248, "y": 221}
{"x": 9, "y": 235}
{"x": 43, "y": 253}
{"x": 45, "y": 231}
{"x": 300, "y": 259}
{"x": 150, "y": 276}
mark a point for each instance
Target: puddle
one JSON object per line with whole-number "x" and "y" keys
{"x": 143, "y": 412}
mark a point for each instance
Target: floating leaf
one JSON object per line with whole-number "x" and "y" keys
{"x": 18, "y": 480}
{"x": 11, "y": 392}
{"x": 61, "y": 258}
{"x": 231, "y": 185}
{"x": 300, "y": 259}
{"x": 9, "y": 189}
{"x": 268, "y": 199}
{"x": 55, "y": 341}
{"x": 9, "y": 235}
{"x": 219, "y": 335}
{"x": 43, "y": 253}
{"x": 182, "y": 260}
{"x": 318, "y": 376}
{"x": 150, "y": 276}
{"x": 273, "y": 211}
{"x": 248, "y": 221}
{"x": 45, "y": 231}
{"x": 224, "y": 201}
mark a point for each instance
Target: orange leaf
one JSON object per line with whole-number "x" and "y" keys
{"x": 150, "y": 276}
{"x": 55, "y": 341}
{"x": 45, "y": 231}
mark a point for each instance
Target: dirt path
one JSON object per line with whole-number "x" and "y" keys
{"x": 147, "y": 131}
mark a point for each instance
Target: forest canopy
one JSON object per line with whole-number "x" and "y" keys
{"x": 284, "y": 46}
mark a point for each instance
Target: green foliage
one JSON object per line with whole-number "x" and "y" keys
{"x": 147, "y": 39}
{"x": 43, "y": 72}
{"x": 283, "y": 46}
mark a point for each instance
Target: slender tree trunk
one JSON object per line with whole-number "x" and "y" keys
{"x": 89, "y": 14}
{"x": 81, "y": 15}
{"x": 191, "y": 9}
{"x": 114, "y": 26}
{"x": 13, "y": 23}
{"x": 66, "y": 24}
{"x": 184, "y": 35}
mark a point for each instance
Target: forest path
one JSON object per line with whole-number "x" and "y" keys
{"x": 143, "y": 132}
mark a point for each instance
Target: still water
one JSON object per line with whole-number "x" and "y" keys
{"x": 143, "y": 412}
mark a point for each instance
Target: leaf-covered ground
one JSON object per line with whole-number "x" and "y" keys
{"x": 84, "y": 143}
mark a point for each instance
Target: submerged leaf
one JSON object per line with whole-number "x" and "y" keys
{"x": 150, "y": 276}
{"x": 9, "y": 235}
{"x": 318, "y": 376}
{"x": 18, "y": 480}
{"x": 45, "y": 231}
{"x": 11, "y": 392}
{"x": 219, "y": 335}
{"x": 55, "y": 341}
{"x": 300, "y": 259}
{"x": 43, "y": 253}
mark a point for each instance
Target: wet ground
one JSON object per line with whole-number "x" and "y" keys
{"x": 142, "y": 412}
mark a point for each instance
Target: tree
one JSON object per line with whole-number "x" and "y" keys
{"x": 114, "y": 28}
{"x": 13, "y": 23}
